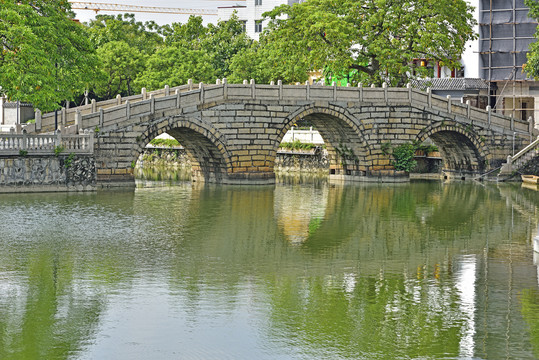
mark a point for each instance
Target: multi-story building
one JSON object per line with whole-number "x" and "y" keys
{"x": 251, "y": 14}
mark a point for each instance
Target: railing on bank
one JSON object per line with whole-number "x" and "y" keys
{"x": 111, "y": 112}
{"x": 43, "y": 144}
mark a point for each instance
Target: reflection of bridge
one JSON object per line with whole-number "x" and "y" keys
{"x": 232, "y": 131}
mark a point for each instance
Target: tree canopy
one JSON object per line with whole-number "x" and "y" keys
{"x": 532, "y": 65}
{"x": 46, "y": 56}
{"x": 377, "y": 38}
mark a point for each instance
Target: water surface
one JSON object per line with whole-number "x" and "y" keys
{"x": 292, "y": 271}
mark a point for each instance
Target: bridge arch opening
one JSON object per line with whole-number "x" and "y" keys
{"x": 461, "y": 151}
{"x": 204, "y": 153}
{"x": 338, "y": 141}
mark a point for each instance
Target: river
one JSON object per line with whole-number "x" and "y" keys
{"x": 310, "y": 270}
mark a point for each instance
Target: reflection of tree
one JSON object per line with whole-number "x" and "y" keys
{"x": 57, "y": 319}
{"x": 378, "y": 318}
{"x": 529, "y": 300}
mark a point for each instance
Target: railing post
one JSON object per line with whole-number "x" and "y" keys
{"x": 201, "y": 88}
{"x": 429, "y": 97}
{"x": 280, "y": 84}
{"x": 334, "y": 91}
{"x": 127, "y": 109}
{"x": 118, "y": 99}
{"x": 94, "y": 106}
{"x": 512, "y": 122}
{"x": 468, "y": 108}
{"x": 190, "y": 84}
{"x": 90, "y": 140}
{"x": 384, "y": 86}
{"x": 308, "y": 91}
{"x": 449, "y": 103}
{"x": 152, "y": 103}
{"x": 409, "y": 87}
{"x": 167, "y": 90}
{"x": 360, "y": 86}
{"x": 225, "y": 88}
{"x": 489, "y": 114}
{"x": 64, "y": 117}
{"x": 38, "y": 120}
{"x": 253, "y": 89}
{"x": 178, "y": 97}
{"x": 58, "y": 138}
{"x": 143, "y": 93}
{"x": 78, "y": 120}
{"x": 101, "y": 117}
{"x": 24, "y": 140}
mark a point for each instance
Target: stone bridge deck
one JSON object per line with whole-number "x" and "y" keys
{"x": 232, "y": 131}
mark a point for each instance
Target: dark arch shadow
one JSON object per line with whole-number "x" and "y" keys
{"x": 462, "y": 150}
{"x": 348, "y": 151}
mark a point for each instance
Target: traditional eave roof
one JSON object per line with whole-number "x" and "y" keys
{"x": 450, "y": 84}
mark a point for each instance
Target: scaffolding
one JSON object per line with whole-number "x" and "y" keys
{"x": 505, "y": 34}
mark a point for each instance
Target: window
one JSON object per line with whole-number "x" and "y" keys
{"x": 258, "y": 2}
{"x": 258, "y": 26}
{"x": 243, "y": 25}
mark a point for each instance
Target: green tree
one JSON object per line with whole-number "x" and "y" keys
{"x": 378, "y": 38}
{"x": 532, "y": 65}
{"x": 174, "y": 65}
{"x": 120, "y": 65}
{"x": 46, "y": 56}
{"x": 145, "y": 37}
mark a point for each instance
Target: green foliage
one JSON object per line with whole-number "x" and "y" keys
{"x": 426, "y": 148}
{"x": 31, "y": 121}
{"x": 345, "y": 154}
{"x": 403, "y": 156}
{"x": 96, "y": 129}
{"x": 532, "y": 65}
{"x": 45, "y": 56}
{"x": 173, "y": 65}
{"x": 23, "y": 153}
{"x": 297, "y": 145}
{"x": 120, "y": 64}
{"x": 58, "y": 150}
{"x": 69, "y": 160}
{"x": 133, "y": 164}
{"x": 164, "y": 142}
{"x": 385, "y": 147}
{"x": 377, "y": 38}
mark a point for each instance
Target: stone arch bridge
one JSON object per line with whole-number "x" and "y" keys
{"x": 232, "y": 131}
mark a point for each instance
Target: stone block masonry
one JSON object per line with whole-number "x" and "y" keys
{"x": 232, "y": 132}
{"x": 47, "y": 173}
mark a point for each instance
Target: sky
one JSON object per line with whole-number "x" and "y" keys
{"x": 161, "y": 19}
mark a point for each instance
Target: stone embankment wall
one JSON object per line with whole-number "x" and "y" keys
{"x": 315, "y": 161}
{"x": 47, "y": 173}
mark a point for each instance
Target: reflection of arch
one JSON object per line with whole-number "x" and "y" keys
{"x": 343, "y": 135}
{"x": 461, "y": 148}
{"x": 203, "y": 144}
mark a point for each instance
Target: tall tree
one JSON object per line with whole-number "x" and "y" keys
{"x": 377, "y": 38}
{"x": 532, "y": 65}
{"x": 46, "y": 56}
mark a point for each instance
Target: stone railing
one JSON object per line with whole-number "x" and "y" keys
{"x": 41, "y": 144}
{"x": 520, "y": 158}
{"x": 304, "y": 136}
{"x": 112, "y": 112}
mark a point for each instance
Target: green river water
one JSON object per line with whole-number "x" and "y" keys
{"x": 426, "y": 270}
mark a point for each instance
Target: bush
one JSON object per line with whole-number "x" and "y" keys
{"x": 404, "y": 157}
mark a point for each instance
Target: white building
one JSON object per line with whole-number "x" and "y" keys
{"x": 251, "y": 14}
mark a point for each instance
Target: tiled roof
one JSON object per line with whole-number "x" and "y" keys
{"x": 450, "y": 84}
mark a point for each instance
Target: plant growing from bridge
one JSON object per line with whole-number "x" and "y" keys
{"x": 403, "y": 157}
{"x": 58, "y": 150}
{"x": 69, "y": 160}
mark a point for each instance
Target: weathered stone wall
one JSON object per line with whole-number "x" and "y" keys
{"x": 232, "y": 132}
{"x": 47, "y": 173}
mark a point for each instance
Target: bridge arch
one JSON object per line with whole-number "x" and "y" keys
{"x": 462, "y": 150}
{"x": 203, "y": 144}
{"x": 347, "y": 148}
